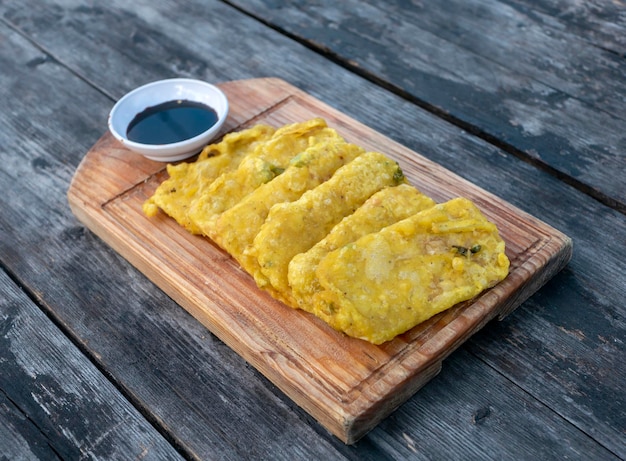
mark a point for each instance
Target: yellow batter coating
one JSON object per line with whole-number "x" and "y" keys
{"x": 326, "y": 227}
{"x": 294, "y": 227}
{"x": 187, "y": 181}
{"x": 382, "y": 209}
{"x": 237, "y": 227}
{"x": 387, "y": 282}
{"x": 267, "y": 161}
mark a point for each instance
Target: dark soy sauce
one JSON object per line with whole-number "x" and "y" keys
{"x": 171, "y": 122}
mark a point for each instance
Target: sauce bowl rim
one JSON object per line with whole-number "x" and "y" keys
{"x": 214, "y": 94}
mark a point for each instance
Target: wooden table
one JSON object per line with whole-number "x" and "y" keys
{"x": 527, "y": 100}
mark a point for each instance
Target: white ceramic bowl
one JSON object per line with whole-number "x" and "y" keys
{"x": 155, "y": 93}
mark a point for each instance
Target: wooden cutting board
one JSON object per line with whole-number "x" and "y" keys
{"x": 347, "y": 384}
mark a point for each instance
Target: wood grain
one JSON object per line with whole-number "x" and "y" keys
{"x": 522, "y": 75}
{"x": 54, "y": 403}
{"x": 347, "y": 385}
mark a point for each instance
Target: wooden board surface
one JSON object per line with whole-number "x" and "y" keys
{"x": 348, "y": 385}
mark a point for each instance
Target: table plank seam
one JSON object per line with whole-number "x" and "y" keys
{"x": 30, "y": 420}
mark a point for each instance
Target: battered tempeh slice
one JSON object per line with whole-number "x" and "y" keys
{"x": 382, "y": 209}
{"x": 186, "y": 181}
{"x": 294, "y": 227}
{"x": 264, "y": 164}
{"x": 387, "y": 282}
{"x": 237, "y": 227}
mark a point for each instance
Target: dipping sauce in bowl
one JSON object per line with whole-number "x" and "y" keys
{"x": 169, "y": 120}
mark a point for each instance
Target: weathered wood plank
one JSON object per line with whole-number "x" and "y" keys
{"x": 600, "y": 22}
{"x": 54, "y": 403}
{"x": 165, "y": 358}
{"x": 484, "y": 425}
{"x": 501, "y": 71}
{"x": 580, "y": 352}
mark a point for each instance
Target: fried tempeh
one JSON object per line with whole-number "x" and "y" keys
{"x": 382, "y": 209}
{"x": 237, "y": 227}
{"x": 187, "y": 181}
{"x": 267, "y": 161}
{"x": 387, "y": 282}
{"x": 325, "y": 227}
{"x": 294, "y": 227}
